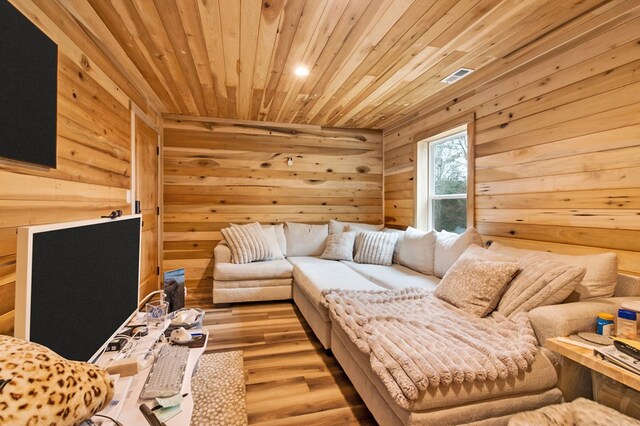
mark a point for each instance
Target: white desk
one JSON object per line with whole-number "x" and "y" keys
{"x": 129, "y": 412}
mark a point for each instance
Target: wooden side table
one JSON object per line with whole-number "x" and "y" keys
{"x": 613, "y": 386}
{"x": 585, "y": 357}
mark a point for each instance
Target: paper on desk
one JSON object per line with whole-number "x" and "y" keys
{"x": 166, "y": 414}
{"x": 171, "y": 401}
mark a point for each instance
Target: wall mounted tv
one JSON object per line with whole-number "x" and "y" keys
{"x": 77, "y": 283}
{"x": 28, "y": 90}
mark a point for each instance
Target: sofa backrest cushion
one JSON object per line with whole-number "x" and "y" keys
{"x": 336, "y": 226}
{"x": 375, "y": 247}
{"x": 542, "y": 281}
{"x": 278, "y": 229}
{"x": 305, "y": 240}
{"x": 450, "y": 246}
{"x": 599, "y": 280}
{"x": 417, "y": 250}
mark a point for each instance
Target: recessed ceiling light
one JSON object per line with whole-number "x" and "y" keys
{"x": 456, "y": 75}
{"x": 301, "y": 71}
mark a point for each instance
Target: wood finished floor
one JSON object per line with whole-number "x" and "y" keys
{"x": 290, "y": 379}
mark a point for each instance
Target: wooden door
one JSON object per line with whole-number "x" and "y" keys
{"x": 146, "y": 193}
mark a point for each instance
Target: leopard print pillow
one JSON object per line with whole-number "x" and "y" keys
{"x": 39, "y": 387}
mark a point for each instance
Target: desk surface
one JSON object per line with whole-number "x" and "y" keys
{"x": 586, "y": 357}
{"x": 129, "y": 413}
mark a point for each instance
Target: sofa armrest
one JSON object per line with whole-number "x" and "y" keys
{"x": 221, "y": 253}
{"x": 569, "y": 318}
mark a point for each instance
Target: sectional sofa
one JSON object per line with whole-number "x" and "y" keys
{"x": 303, "y": 276}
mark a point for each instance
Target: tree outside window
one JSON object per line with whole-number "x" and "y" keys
{"x": 448, "y": 183}
{"x": 442, "y": 182}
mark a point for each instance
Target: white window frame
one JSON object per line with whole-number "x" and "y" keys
{"x": 425, "y": 183}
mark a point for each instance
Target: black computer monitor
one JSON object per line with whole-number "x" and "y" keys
{"x": 77, "y": 283}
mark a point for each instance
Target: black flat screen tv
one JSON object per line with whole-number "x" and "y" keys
{"x": 77, "y": 283}
{"x": 28, "y": 90}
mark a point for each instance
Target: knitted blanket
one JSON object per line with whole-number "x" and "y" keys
{"x": 416, "y": 341}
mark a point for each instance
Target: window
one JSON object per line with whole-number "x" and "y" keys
{"x": 442, "y": 182}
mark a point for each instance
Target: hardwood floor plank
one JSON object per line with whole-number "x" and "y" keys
{"x": 290, "y": 378}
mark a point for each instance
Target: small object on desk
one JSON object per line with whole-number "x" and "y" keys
{"x": 613, "y": 355}
{"x": 627, "y": 327}
{"x": 180, "y": 336}
{"x": 140, "y": 331}
{"x": 149, "y": 416}
{"x": 629, "y": 347}
{"x": 116, "y": 344}
{"x": 171, "y": 401}
{"x": 165, "y": 378}
{"x": 605, "y": 324}
{"x": 596, "y": 339}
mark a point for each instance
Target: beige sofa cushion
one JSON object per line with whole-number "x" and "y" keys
{"x": 394, "y": 276}
{"x": 599, "y": 280}
{"x": 265, "y": 270}
{"x": 450, "y": 246}
{"x": 417, "y": 250}
{"x": 542, "y": 281}
{"x": 305, "y": 240}
{"x": 312, "y": 275}
{"x": 336, "y": 226}
{"x": 278, "y": 229}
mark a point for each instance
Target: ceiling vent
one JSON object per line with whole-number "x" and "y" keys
{"x": 456, "y": 75}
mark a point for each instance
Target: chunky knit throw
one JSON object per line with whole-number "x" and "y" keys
{"x": 416, "y": 341}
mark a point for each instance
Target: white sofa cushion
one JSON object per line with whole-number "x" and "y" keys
{"x": 394, "y": 276}
{"x": 418, "y": 250}
{"x": 601, "y": 275}
{"x": 265, "y": 270}
{"x": 450, "y": 246}
{"x": 339, "y": 246}
{"x": 306, "y": 240}
{"x": 278, "y": 229}
{"x": 336, "y": 226}
{"x": 375, "y": 247}
{"x": 312, "y": 275}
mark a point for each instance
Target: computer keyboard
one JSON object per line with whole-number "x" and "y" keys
{"x": 167, "y": 372}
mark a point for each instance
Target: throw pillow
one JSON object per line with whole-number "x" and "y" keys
{"x": 339, "y": 246}
{"x": 476, "y": 286}
{"x": 396, "y": 250}
{"x": 600, "y": 278}
{"x": 418, "y": 250}
{"x": 375, "y": 248}
{"x": 305, "y": 240}
{"x": 247, "y": 243}
{"x": 541, "y": 281}
{"x": 450, "y": 246}
{"x": 274, "y": 245}
{"x": 43, "y": 388}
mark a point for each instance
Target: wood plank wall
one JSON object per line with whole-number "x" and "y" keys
{"x": 217, "y": 172}
{"x": 557, "y": 144}
{"x": 94, "y": 147}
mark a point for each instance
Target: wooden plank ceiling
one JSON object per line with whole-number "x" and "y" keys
{"x": 370, "y": 61}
